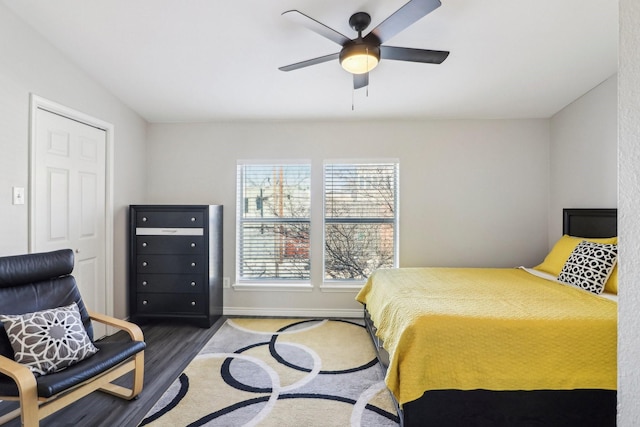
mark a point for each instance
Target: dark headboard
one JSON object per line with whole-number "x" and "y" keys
{"x": 590, "y": 222}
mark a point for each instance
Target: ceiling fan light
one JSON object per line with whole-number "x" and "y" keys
{"x": 359, "y": 58}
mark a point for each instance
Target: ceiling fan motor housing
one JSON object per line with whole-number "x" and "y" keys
{"x": 359, "y": 21}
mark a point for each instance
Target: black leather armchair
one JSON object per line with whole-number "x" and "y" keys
{"x": 41, "y": 281}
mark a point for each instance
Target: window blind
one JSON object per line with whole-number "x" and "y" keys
{"x": 273, "y": 222}
{"x": 360, "y": 219}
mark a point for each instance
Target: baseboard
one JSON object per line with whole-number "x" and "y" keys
{"x": 294, "y": 312}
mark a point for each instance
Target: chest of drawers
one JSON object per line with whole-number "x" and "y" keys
{"x": 176, "y": 262}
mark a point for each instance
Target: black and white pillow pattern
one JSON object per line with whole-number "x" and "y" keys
{"x": 50, "y": 340}
{"x": 589, "y": 266}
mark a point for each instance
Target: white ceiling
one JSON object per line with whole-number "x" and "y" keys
{"x": 207, "y": 60}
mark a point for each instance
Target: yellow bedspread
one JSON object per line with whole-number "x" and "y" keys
{"x": 493, "y": 329}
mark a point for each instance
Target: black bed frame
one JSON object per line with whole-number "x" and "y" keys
{"x": 556, "y": 408}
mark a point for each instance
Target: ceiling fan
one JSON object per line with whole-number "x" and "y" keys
{"x": 362, "y": 54}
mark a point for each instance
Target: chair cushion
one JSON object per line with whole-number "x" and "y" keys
{"x": 110, "y": 354}
{"x": 49, "y": 340}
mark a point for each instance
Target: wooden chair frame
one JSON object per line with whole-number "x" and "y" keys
{"x": 33, "y": 408}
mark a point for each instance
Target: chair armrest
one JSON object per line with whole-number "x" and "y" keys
{"x": 132, "y": 329}
{"x": 21, "y": 375}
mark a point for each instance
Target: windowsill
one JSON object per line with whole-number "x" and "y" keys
{"x": 271, "y": 287}
{"x": 341, "y": 287}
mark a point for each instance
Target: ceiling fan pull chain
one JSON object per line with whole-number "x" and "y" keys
{"x": 353, "y": 95}
{"x": 367, "y": 56}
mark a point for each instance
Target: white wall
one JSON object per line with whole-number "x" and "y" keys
{"x": 29, "y": 64}
{"x": 583, "y": 155}
{"x": 473, "y": 193}
{"x": 629, "y": 217}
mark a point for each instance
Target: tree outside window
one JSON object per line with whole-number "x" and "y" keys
{"x": 359, "y": 219}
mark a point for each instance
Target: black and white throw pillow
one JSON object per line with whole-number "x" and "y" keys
{"x": 589, "y": 266}
{"x": 50, "y": 340}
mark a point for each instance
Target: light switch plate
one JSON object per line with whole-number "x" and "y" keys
{"x": 18, "y": 195}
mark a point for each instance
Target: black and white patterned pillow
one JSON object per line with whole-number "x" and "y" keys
{"x": 589, "y": 266}
{"x": 50, "y": 340}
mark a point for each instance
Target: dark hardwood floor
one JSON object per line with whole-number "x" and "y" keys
{"x": 170, "y": 348}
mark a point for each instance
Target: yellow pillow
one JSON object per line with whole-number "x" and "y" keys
{"x": 560, "y": 252}
{"x": 612, "y": 282}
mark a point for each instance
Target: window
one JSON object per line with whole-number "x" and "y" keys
{"x": 360, "y": 219}
{"x": 273, "y": 215}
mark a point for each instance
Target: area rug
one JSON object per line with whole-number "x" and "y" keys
{"x": 280, "y": 372}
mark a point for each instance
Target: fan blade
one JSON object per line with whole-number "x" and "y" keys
{"x": 360, "y": 80}
{"x": 402, "y": 18}
{"x": 309, "y": 62}
{"x": 316, "y": 26}
{"x": 413, "y": 55}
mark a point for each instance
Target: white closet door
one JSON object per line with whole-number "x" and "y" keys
{"x": 69, "y": 195}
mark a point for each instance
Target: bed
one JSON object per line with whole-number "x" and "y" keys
{"x": 504, "y": 347}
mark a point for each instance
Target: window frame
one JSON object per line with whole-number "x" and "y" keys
{"x": 351, "y": 284}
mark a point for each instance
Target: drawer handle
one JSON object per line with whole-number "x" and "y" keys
{"x": 144, "y": 219}
{"x": 144, "y": 263}
{"x": 193, "y": 264}
{"x": 145, "y": 302}
{"x": 193, "y": 283}
{"x": 193, "y": 219}
{"x": 144, "y": 283}
{"x": 144, "y": 244}
{"x": 193, "y": 303}
{"x": 193, "y": 245}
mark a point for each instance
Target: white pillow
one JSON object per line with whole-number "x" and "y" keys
{"x": 50, "y": 340}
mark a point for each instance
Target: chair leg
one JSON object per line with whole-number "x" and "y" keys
{"x": 29, "y": 404}
{"x": 138, "y": 374}
{"x": 29, "y": 412}
{"x": 138, "y": 380}
{"x": 27, "y": 396}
